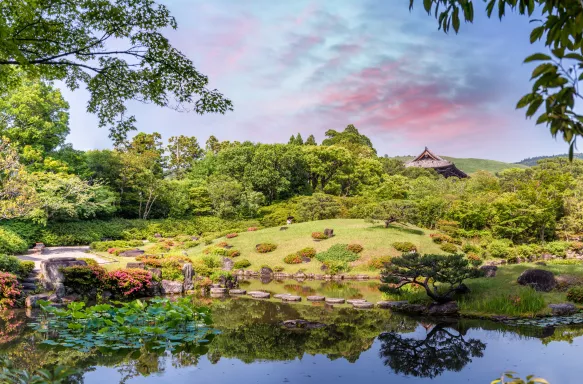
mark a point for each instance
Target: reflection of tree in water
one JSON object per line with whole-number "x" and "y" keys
{"x": 443, "y": 349}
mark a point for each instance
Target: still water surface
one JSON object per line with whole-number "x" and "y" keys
{"x": 345, "y": 346}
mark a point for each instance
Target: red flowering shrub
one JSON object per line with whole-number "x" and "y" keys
{"x": 439, "y": 238}
{"x": 251, "y": 229}
{"x": 319, "y": 236}
{"x": 234, "y": 253}
{"x": 129, "y": 282}
{"x": 111, "y": 250}
{"x": 307, "y": 252}
{"x": 294, "y": 258}
{"x": 356, "y": 248}
{"x": 266, "y": 247}
{"x": 222, "y": 244}
{"x": 231, "y": 235}
{"x": 9, "y": 290}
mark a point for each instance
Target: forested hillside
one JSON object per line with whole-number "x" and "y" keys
{"x": 532, "y": 161}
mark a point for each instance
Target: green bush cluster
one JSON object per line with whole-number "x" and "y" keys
{"x": 500, "y": 249}
{"x": 12, "y": 265}
{"x": 337, "y": 252}
{"x": 103, "y": 246}
{"x": 307, "y": 252}
{"x": 470, "y": 248}
{"x": 336, "y": 266}
{"x": 378, "y": 262}
{"x": 241, "y": 264}
{"x": 557, "y": 248}
{"x": 84, "y": 279}
{"x": 405, "y": 246}
{"x": 11, "y": 243}
{"x": 448, "y": 247}
{"x": 575, "y": 294}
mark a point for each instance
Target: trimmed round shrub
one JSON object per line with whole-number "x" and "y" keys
{"x": 27, "y": 268}
{"x": 251, "y": 229}
{"x": 173, "y": 273}
{"x": 319, "y": 236}
{"x": 470, "y": 248}
{"x": 449, "y": 248}
{"x": 11, "y": 243}
{"x": 405, "y": 246}
{"x": 152, "y": 262}
{"x": 129, "y": 282}
{"x": 231, "y": 235}
{"x": 307, "y": 252}
{"x": 474, "y": 258}
{"x": 266, "y": 247}
{"x": 500, "y": 248}
{"x": 212, "y": 262}
{"x": 575, "y": 294}
{"x": 11, "y": 264}
{"x": 222, "y": 244}
{"x": 337, "y": 252}
{"x": 356, "y": 248}
{"x": 10, "y": 290}
{"x": 294, "y": 258}
{"x": 241, "y": 264}
{"x": 378, "y": 262}
{"x": 439, "y": 238}
{"x": 201, "y": 268}
{"x": 84, "y": 278}
{"x": 233, "y": 253}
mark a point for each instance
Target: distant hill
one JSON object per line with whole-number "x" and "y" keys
{"x": 532, "y": 161}
{"x": 470, "y": 166}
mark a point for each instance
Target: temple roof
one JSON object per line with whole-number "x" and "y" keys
{"x": 428, "y": 159}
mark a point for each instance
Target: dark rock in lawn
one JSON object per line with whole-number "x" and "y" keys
{"x": 136, "y": 265}
{"x": 462, "y": 289}
{"x": 156, "y": 273}
{"x": 51, "y": 270}
{"x": 188, "y": 273}
{"x": 266, "y": 271}
{"x": 315, "y": 298}
{"x": 446, "y": 309}
{"x": 283, "y": 228}
{"x": 171, "y": 287}
{"x": 306, "y": 259}
{"x": 542, "y": 263}
{"x": 539, "y": 279}
{"x": 195, "y": 238}
{"x": 132, "y": 253}
{"x": 489, "y": 270}
{"x": 329, "y": 232}
{"x": 563, "y": 309}
{"x": 32, "y": 300}
{"x": 228, "y": 263}
{"x": 564, "y": 282}
{"x": 324, "y": 267}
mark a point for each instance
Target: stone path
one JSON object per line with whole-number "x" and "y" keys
{"x": 62, "y": 252}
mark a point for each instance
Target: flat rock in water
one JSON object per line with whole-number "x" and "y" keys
{"x": 315, "y": 298}
{"x": 280, "y": 295}
{"x": 332, "y": 300}
{"x": 353, "y": 301}
{"x": 447, "y": 309}
{"x": 363, "y": 305}
{"x": 219, "y": 290}
{"x": 391, "y": 304}
{"x": 291, "y": 298}
{"x": 259, "y": 295}
{"x": 237, "y": 292}
{"x": 563, "y": 309}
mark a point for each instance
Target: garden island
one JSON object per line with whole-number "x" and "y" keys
{"x": 170, "y": 257}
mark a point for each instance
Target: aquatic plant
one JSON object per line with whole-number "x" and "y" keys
{"x": 158, "y": 324}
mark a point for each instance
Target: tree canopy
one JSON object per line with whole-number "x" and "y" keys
{"x": 116, "y": 49}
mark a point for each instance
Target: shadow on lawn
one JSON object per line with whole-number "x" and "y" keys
{"x": 400, "y": 228}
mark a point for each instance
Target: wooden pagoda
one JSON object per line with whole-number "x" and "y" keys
{"x": 428, "y": 159}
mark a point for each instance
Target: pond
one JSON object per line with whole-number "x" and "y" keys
{"x": 339, "y": 345}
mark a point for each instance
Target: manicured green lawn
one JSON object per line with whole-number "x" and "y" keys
{"x": 375, "y": 239}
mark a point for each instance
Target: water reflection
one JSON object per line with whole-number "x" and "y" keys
{"x": 251, "y": 331}
{"x": 443, "y": 349}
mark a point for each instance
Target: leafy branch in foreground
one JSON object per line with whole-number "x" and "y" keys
{"x": 441, "y": 276}
{"x": 11, "y": 375}
{"x": 557, "y": 78}
{"x": 510, "y": 378}
{"x": 116, "y": 48}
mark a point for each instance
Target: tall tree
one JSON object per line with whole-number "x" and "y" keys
{"x": 213, "y": 145}
{"x": 559, "y": 24}
{"x": 116, "y": 48}
{"x": 182, "y": 152}
{"x": 35, "y": 114}
{"x": 17, "y": 195}
{"x": 352, "y": 139}
{"x": 311, "y": 140}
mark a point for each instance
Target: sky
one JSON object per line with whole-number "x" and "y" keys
{"x": 307, "y": 66}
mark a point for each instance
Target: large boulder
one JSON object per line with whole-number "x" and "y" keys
{"x": 51, "y": 270}
{"x": 228, "y": 263}
{"x": 132, "y": 253}
{"x": 171, "y": 287}
{"x": 565, "y": 309}
{"x": 447, "y": 309}
{"x": 266, "y": 271}
{"x": 539, "y": 279}
{"x": 32, "y": 300}
{"x": 188, "y": 273}
{"x": 136, "y": 265}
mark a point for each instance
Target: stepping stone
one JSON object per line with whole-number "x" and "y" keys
{"x": 352, "y": 301}
{"x": 280, "y": 295}
{"x": 31, "y": 280}
{"x": 391, "y": 304}
{"x": 219, "y": 290}
{"x": 331, "y": 300}
{"x": 29, "y": 286}
{"x": 259, "y": 295}
{"x": 363, "y": 305}
{"x": 291, "y": 298}
{"x": 237, "y": 292}
{"x": 315, "y": 298}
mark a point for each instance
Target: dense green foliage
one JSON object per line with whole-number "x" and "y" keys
{"x": 337, "y": 252}
{"x": 12, "y": 265}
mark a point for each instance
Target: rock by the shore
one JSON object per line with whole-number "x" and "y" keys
{"x": 391, "y": 304}
{"x": 352, "y": 301}
{"x": 228, "y": 263}
{"x": 237, "y": 291}
{"x": 446, "y": 309}
{"x": 32, "y": 300}
{"x": 169, "y": 287}
{"x": 315, "y": 298}
{"x": 266, "y": 271}
{"x": 363, "y": 305}
{"x": 489, "y": 270}
{"x": 332, "y": 300}
{"x": 188, "y": 273}
{"x": 51, "y": 270}
{"x": 259, "y": 294}
{"x": 564, "y": 309}
{"x": 539, "y": 279}
{"x": 218, "y": 290}
{"x": 291, "y": 298}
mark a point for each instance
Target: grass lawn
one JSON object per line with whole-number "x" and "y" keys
{"x": 502, "y": 295}
{"x": 375, "y": 239}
